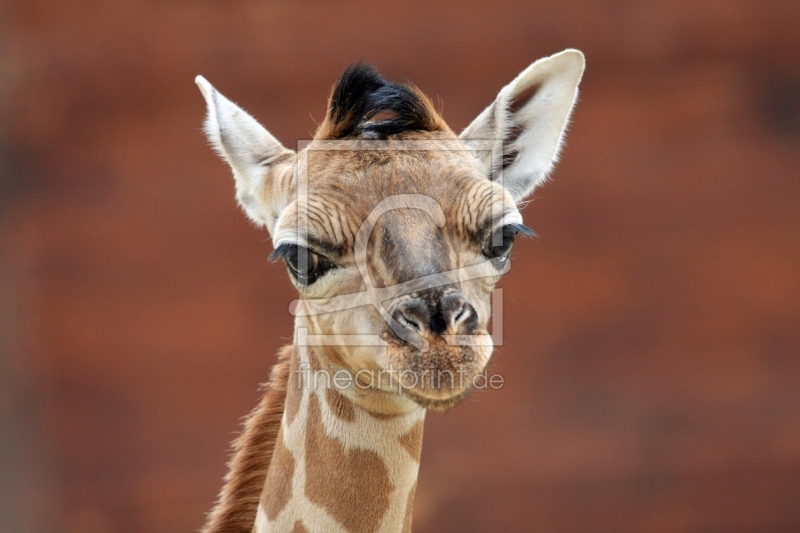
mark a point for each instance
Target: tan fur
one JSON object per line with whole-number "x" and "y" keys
{"x": 235, "y": 510}
{"x": 340, "y": 406}
{"x": 338, "y": 467}
{"x": 299, "y": 528}
{"x": 410, "y": 441}
{"x": 348, "y": 476}
{"x": 278, "y": 484}
{"x": 399, "y": 214}
{"x": 409, "y": 509}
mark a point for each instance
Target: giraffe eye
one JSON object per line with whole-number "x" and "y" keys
{"x": 501, "y": 241}
{"x": 303, "y": 264}
{"x": 302, "y": 261}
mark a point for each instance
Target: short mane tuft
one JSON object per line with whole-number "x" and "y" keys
{"x": 364, "y": 104}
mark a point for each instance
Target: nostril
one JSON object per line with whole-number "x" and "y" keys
{"x": 408, "y": 323}
{"x": 433, "y": 315}
{"x": 461, "y": 315}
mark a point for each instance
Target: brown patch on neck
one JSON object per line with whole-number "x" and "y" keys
{"x": 412, "y": 441}
{"x": 294, "y": 391}
{"x": 278, "y": 484}
{"x": 353, "y": 486}
{"x": 299, "y": 528}
{"x": 340, "y": 406}
{"x": 326, "y": 358}
{"x": 235, "y": 511}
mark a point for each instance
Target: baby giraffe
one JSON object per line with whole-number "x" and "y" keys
{"x": 395, "y": 231}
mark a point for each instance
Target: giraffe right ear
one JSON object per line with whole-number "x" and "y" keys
{"x": 525, "y": 124}
{"x": 262, "y": 167}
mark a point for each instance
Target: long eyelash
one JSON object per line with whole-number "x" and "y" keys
{"x": 282, "y": 251}
{"x": 520, "y": 229}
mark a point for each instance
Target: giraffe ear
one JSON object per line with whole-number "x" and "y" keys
{"x": 262, "y": 167}
{"x": 525, "y": 125}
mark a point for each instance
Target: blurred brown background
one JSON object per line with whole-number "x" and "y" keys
{"x": 652, "y": 356}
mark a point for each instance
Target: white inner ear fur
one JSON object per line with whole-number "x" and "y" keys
{"x": 252, "y": 152}
{"x": 526, "y": 123}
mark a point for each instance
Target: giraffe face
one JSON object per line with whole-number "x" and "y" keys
{"x": 394, "y": 229}
{"x": 395, "y": 249}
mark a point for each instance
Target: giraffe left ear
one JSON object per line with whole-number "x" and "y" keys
{"x": 262, "y": 167}
{"x": 526, "y": 123}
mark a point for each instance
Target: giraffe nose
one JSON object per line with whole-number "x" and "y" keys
{"x": 432, "y": 313}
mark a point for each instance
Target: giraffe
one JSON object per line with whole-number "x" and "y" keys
{"x": 394, "y": 231}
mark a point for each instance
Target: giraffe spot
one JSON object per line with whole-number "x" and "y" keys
{"x": 294, "y": 395}
{"x": 412, "y": 441}
{"x": 409, "y": 509}
{"x": 353, "y": 486}
{"x": 333, "y": 355}
{"x": 340, "y": 406}
{"x": 299, "y": 528}
{"x": 278, "y": 484}
{"x": 383, "y": 416}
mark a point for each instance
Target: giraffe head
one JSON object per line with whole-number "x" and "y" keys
{"x": 394, "y": 229}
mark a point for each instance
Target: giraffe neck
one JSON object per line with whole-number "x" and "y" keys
{"x": 345, "y": 460}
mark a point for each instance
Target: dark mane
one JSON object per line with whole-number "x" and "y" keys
{"x": 236, "y": 507}
{"x": 364, "y": 104}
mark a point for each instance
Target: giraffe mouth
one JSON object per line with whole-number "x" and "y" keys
{"x": 438, "y": 378}
{"x": 437, "y": 404}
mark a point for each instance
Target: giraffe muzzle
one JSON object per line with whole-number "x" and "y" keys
{"x": 436, "y": 347}
{"x": 432, "y": 314}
